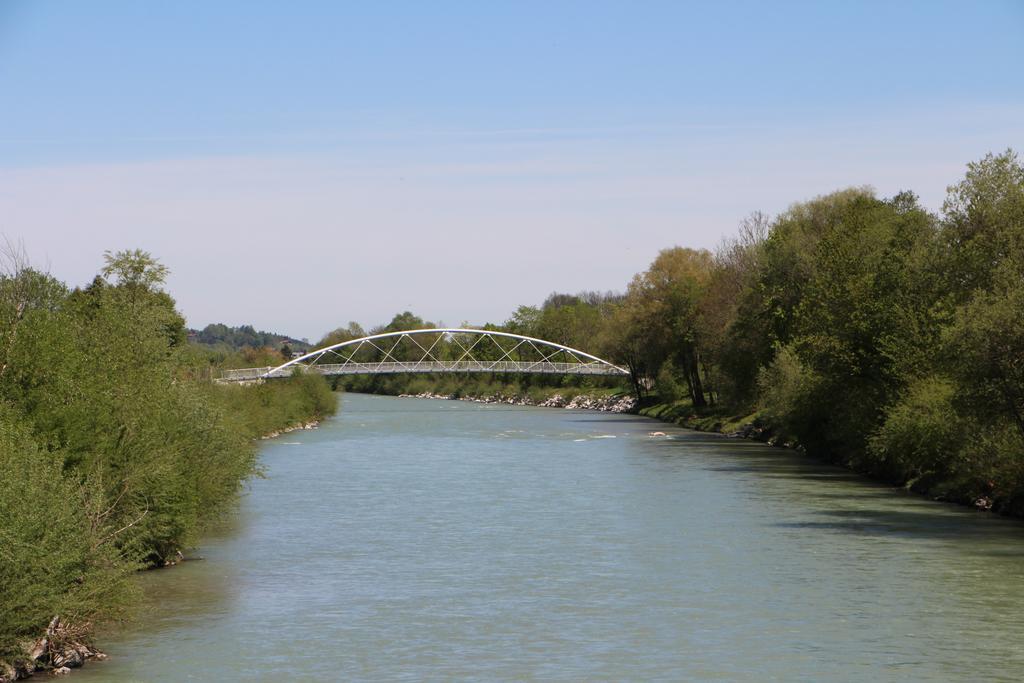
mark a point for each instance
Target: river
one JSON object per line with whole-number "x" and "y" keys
{"x": 411, "y": 539}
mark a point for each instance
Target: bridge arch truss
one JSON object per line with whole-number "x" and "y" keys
{"x": 437, "y": 350}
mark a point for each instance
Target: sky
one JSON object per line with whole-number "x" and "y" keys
{"x": 299, "y": 165}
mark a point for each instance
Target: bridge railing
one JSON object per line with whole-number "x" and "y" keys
{"x": 244, "y": 374}
{"x": 535, "y": 367}
{"x": 384, "y": 368}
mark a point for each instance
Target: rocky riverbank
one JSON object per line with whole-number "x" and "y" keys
{"x": 752, "y": 427}
{"x": 608, "y": 404}
{"x": 313, "y": 424}
{"x": 62, "y": 648}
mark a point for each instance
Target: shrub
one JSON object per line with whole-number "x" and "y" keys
{"x": 784, "y": 390}
{"x": 921, "y": 434}
{"x": 57, "y": 554}
{"x": 667, "y": 384}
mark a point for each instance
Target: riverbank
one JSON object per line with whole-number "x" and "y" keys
{"x": 960, "y": 490}
{"x": 754, "y": 426}
{"x": 611, "y": 403}
{"x": 294, "y": 428}
{"x": 65, "y": 641}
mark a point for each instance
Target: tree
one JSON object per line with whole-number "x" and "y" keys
{"x": 134, "y": 268}
{"x": 665, "y": 301}
{"x": 985, "y": 354}
{"x": 342, "y": 334}
{"x": 983, "y": 232}
{"x": 730, "y": 332}
{"x": 406, "y": 321}
{"x": 984, "y": 222}
{"x": 845, "y": 292}
{"x": 137, "y": 280}
{"x": 524, "y": 321}
{"x": 22, "y": 291}
{"x": 624, "y": 340}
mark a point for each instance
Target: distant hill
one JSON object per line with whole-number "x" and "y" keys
{"x": 217, "y": 334}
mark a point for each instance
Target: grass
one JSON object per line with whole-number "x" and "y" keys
{"x": 709, "y": 419}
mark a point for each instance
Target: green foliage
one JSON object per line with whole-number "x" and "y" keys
{"x": 57, "y": 554}
{"x": 272, "y": 406}
{"x": 734, "y": 336}
{"x": 865, "y": 329}
{"x": 862, "y": 320}
{"x": 991, "y": 466}
{"x": 984, "y": 224}
{"x": 243, "y": 337}
{"x": 112, "y": 454}
{"x": 920, "y": 433}
{"x": 342, "y": 334}
{"x": 667, "y": 384}
{"x": 135, "y": 269}
{"x": 985, "y": 351}
{"x": 787, "y": 390}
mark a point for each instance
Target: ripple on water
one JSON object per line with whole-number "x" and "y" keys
{"x": 403, "y": 541}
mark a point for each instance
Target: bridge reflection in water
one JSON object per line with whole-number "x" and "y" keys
{"x": 437, "y": 350}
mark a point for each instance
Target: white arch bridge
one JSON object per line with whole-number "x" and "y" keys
{"x": 437, "y": 350}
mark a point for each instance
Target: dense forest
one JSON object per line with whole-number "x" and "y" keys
{"x": 113, "y": 456}
{"x": 863, "y": 329}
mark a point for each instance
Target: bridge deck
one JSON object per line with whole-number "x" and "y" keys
{"x": 352, "y": 368}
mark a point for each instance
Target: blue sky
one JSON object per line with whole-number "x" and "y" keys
{"x": 462, "y": 158}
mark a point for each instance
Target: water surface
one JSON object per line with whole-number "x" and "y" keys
{"x": 411, "y": 539}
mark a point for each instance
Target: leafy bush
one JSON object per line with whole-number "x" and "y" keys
{"x": 272, "y": 406}
{"x": 57, "y": 550}
{"x": 111, "y": 457}
{"x": 667, "y": 385}
{"x": 920, "y": 433}
{"x": 785, "y": 388}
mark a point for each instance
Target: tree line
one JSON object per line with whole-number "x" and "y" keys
{"x": 866, "y": 330}
{"x": 244, "y": 336}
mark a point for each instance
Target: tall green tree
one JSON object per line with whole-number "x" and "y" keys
{"x": 665, "y": 302}
{"x": 844, "y": 289}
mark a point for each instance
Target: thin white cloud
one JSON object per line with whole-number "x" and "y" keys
{"x": 302, "y": 244}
